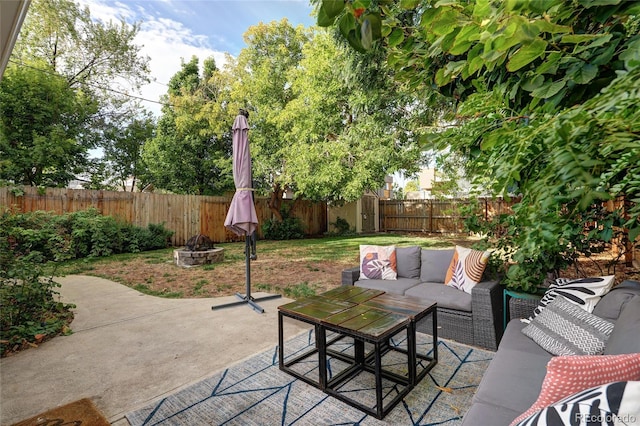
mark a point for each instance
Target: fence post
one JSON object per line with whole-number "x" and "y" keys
{"x": 430, "y": 215}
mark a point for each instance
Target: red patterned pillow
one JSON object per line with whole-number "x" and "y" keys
{"x": 569, "y": 374}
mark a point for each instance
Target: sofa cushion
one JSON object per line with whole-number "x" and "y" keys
{"x": 567, "y": 375}
{"x": 408, "y": 261}
{"x": 466, "y": 268}
{"x": 434, "y": 265}
{"x": 584, "y": 292}
{"x": 564, "y": 328}
{"x": 444, "y": 296}
{"x": 612, "y": 303}
{"x": 514, "y": 376}
{"x": 479, "y": 414}
{"x": 378, "y": 262}
{"x": 608, "y": 404}
{"x": 398, "y": 286}
{"x": 514, "y": 340}
{"x": 625, "y": 337}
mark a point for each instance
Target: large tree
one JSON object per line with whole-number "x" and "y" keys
{"x": 326, "y": 124}
{"x": 191, "y": 150}
{"x": 100, "y": 57}
{"x": 263, "y": 87}
{"x": 353, "y": 125}
{"x": 41, "y": 123}
{"x": 549, "y": 108}
{"x": 124, "y": 143}
{"x": 96, "y": 62}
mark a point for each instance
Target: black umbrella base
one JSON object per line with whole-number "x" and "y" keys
{"x": 249, "y": 300}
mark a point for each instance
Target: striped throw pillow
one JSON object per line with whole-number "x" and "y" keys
{"x": 584, "y": 292}
{"x": 563, "y": 328}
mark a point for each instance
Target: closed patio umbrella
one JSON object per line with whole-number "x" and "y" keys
{"x": 241, "y": 217}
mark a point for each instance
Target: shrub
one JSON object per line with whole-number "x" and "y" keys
{"x": 29, "y": 310}
{"x": 289, "y": 228}
{"x": 530, "y": 263}
{"x": 342, "y": 227}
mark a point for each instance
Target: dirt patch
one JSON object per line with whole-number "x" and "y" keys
{"x": 284, "y": 271}
{"x": 270, "y": 272}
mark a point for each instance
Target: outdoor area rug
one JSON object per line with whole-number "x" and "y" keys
{"x": 256, "y": 392}
{"x": 81, "y": 412}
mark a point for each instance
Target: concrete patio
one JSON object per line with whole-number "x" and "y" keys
{"x": 128, "y": 349}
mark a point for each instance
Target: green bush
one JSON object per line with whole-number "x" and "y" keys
{"x": 29, "y": 311}
{"x": 342, "y": 227}
{"x": 531, "y": 262}
{"x": 82, "y": 234}
{"x": 290, "y": 228}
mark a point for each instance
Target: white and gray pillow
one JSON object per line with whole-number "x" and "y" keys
{"x": 583, "y": 292}
{"x": 563, "y": 328}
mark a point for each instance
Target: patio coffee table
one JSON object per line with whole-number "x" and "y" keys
{"x": 368, "y": 317}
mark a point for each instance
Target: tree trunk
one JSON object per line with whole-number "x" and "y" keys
{"x": 275, "y": 202}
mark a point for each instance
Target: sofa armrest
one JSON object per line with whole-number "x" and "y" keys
{"x": 486, "y": 306}
{"x": 350, "y": 275}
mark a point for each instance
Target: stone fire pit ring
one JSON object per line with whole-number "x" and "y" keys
{"x": 188, "y": 258}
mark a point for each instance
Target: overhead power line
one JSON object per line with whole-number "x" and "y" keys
{"x": 109, "y": 89}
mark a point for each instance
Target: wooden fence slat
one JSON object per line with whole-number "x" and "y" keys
{"x": 432, "y": 216}
{"x": 185, "y": 215}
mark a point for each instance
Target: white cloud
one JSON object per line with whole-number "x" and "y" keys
{"x": 165, "y": 41}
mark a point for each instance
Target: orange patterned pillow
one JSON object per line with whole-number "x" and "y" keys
{"x": 466, "y": 268}
{"x": 569, "y": 374}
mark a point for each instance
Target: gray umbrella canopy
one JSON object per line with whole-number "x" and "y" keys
{"x": 241, "y": 218}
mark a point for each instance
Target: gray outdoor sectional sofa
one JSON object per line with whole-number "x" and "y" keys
{"x": 513, "y": 381}
{"x": 474, "y": 319}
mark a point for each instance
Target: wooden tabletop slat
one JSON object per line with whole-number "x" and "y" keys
{"x": 361, "y": 321}
{"x": 347, "y": 314}
{"x": 411, "y": 306}
{"x": 384, "y": 324}
{"x": 316, "y": 307}
{"x": 353, "y": 294}
{"x": 368, "y": 294}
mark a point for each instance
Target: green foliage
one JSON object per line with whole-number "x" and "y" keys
{"x": 542, "y": 54}
{"x": 42, "y": 121}
{"x": 342, "y": 227}
{"x": 288, "y": 228}
{"x": 191, "y": 150}
{"x": 30, "y": 309}
{"x": 81, "y": 234}
{"x": 548, "y": 108}
{"x": 123, "y": 145}
{"x": 71, "y": 75}
{"x": 351, "y": 124}
{"x": 412, "y": 186}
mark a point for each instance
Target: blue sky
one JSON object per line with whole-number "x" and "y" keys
{"x": 172, "y": 30}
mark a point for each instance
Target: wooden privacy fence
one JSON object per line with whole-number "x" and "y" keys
{"x": 185, "y": 215}
{"x": 439, "y": 216}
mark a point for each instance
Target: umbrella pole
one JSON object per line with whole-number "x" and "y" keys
{"x": 247, "y": 298}
{"x": 247, "y": 266}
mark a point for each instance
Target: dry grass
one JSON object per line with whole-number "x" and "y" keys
{"x": 291, "y": 268}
